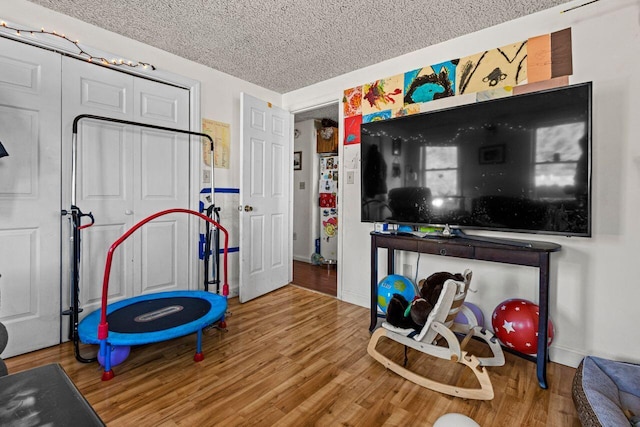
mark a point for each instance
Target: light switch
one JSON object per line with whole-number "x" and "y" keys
{"x": 350, "y": 177}
{"x": 302, "y": 185}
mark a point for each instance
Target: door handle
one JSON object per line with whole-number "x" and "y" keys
{"x": 248, "y": 208}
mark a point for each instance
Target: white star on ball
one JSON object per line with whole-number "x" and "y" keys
{"x": 508, "y": 326}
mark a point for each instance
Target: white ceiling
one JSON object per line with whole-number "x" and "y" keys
{"x": 284, "y": 45}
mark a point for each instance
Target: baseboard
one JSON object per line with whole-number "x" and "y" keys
{"x": 565, "y": 356}
{"x": 301, "y": 258}
{"x": 357, "y": 299}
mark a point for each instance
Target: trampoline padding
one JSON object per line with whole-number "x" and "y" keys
{"x": 155, "y": 317}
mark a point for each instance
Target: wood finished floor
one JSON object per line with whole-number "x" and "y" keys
{"x": 298, "y": 358}
{"x": 315, "y": 277}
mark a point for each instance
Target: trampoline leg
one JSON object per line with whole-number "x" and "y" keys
{"x": 105, "y": 351}
{"x": 199, "y": 356}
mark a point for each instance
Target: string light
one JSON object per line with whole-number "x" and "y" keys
{"x": 81, "y": 51}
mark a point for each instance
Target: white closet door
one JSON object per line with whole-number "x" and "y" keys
{"x": 161, "y": 181}
{"x": 29, "y": 196}
{"x": 104, "y": 176}
{"x": 125, "y": 173}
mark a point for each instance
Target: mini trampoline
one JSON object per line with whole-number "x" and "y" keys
{"x": 157, "y": 317}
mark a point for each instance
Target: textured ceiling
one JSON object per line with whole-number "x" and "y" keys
{"x": 284, "y": 45}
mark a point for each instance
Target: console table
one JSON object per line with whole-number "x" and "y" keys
{"x": 527, "y": 253}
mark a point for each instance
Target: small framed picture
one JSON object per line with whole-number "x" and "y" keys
{"x": 492, "y": 154}
{"x": 297, "y": 160}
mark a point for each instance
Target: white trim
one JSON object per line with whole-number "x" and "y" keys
{"x": 195, "y": 182}
{"x": 323, "y": 104}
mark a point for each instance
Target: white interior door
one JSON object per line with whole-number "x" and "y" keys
{"x": 124, "y": 174}
{"x": 265, "y": 194}
{"x": 29, "y": 196}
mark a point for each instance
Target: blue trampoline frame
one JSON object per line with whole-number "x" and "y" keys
{"x": 88, "y": 328}
{"x": 94, "y": 328}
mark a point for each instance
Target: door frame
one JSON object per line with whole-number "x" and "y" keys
{"x": 313, "y": 105}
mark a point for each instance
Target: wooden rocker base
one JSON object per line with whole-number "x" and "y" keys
{"x": 484, "y": 392}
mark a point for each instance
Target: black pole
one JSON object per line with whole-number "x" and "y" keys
{"x": 128, "y": 122}
{"x": 210, "y": 253}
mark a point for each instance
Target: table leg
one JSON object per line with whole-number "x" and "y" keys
{"x": 543, "y": 321}
{"x": 374, "y": 284}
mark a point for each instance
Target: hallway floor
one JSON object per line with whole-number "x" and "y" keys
{"x": 315, "y": 277}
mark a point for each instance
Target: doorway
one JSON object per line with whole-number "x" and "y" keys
{"x": 315, "y": 224}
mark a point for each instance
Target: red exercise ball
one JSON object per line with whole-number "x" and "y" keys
{"x": 515, "y": 323}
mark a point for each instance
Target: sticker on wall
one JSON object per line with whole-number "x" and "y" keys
{"x": 383, "y": 94}
{"x": 219, "y": 132}
{"x": 429, "y": 83}
{"x": 352, "y": 101}
{"x": 352, "y": 130}
{"x": 374, "y": 117}
{"x": 492, "y": 69}
{"x": 330, "y": 226}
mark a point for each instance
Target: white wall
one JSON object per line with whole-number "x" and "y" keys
{"x": 594, "y": 293}
{"x": 220, "y": 92}
{"x": 306, "y": 223}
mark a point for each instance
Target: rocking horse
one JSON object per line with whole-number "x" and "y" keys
{"x": 440, "y": 326}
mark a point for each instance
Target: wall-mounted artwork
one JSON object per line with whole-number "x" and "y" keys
{"x": 220, "y": 133}
{"x": 352, "y": 101}
{"x": 549, "y": 56}
{"x": 297, "y": 160}
{"x": 429, "y": 83}
{"x": 352, "y": 130}
{"x": 491, "y": 69}
{"x": 381, "y": 115}
{"x": 545, "y": 60}
{"x": 383, "y": 94}
{"x": 500, "y": 92}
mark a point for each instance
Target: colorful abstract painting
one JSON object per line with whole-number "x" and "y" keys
{"x": 352, "y": 130}
{"x": 408, "y": 110}
{"x": 374, "y": 117}
{"x": 429, "y": 83}
{"x": 352, "y": 101}
{"x": 492, "y": 69}
{"x": 383, "y": 94}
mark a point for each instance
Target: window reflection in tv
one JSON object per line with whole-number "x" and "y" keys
{"x": 520, "y": 163}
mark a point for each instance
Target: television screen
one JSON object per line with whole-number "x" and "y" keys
{"x": 520, "y": 163}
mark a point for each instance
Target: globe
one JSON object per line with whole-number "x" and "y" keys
{"x": 394, "y": 284}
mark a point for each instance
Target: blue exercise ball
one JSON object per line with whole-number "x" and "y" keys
{"x": 394, "y": 284}
{"x": 118, "y": 355}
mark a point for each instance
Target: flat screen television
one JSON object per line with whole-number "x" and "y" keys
{"x": 520, "y": 163}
